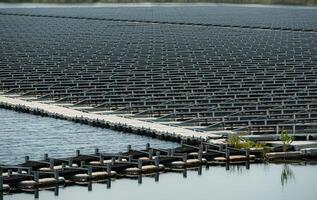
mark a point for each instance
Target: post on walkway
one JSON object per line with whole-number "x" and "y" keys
{"x": 227, "y": 153}
{"x": 70, "y": 162}
{"x": 220, "y": 147}
{"x": 206, "y": 148}
{"x": 147, "y": 147}
{"x": 77, "y": 152}
{"x": 169, "y": 152}
{"x": 89, "y": 171}
{"x": 36, "y": 176}
{"x": 51, "y": 163}
{"x": 101, "y": 160}
{"x": 1, "y": 183}
{"x": 185, "y": 157}
{"x": 56, "y": 175}
{"x": 157, "y": 161}
{"x": 130, "y": 157}
{"x": 140, "y": 164}
{"x": 82, "y": 163}
{"x": 120, "y": 158}
{"x": 129, "y": 148}
{"x": 113, "y": 160}
{"x": 63, "y": 166}
{"x": 109, "y": 168}
{"x": 200, "y": 155}
{"x": 27, "y": 158}
{"x": 96, "y": 151}
{"x": 247, "y": 154}
{"x": 151, "y": 154}
{"x": 45, "y": 156}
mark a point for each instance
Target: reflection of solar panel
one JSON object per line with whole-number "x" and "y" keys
{"x": 208, "y": 78}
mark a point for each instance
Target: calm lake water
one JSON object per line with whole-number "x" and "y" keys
{"x": 261, "y": 182}
{"x": 24, "y": 134}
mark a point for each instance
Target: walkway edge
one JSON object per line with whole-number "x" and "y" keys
{"x": 52, "y": 110}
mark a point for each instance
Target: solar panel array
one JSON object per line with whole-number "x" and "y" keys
{"x": 156, "y": 64}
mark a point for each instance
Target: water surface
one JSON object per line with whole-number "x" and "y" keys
{"x": 261, "y": 182}
{"x": 23, "y": 134}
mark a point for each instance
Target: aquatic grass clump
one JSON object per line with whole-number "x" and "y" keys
{"x": 236, "y": 141}
{"x": 286, "y": 139}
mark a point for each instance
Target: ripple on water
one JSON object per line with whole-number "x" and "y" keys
{"x": 24, "y": 134}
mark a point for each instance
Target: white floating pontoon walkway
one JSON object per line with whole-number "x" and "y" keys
{"x": 72, "y": 114}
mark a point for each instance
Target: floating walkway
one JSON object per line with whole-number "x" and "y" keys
{"x": 109, "y": 121}
{"x": 82, "y": 169}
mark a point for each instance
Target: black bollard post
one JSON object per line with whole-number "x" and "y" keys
{"x": 157, "y": 161}
{"x": 1, "y": 183}
{"x": 113, "y": 160}
{"x": 77, "y": 152}
{"x": 129, "y": 148}
{"x": 101, "y": 160}
{"x": 140, "y": 164}
{"x": 185, "y": 157}
{"x": 89, "y": 171}
{"x": 147, "y": 146}
{"x": 172, "y": 152}
{"x": 56, "y": 175}
{"x": 109, "y": 168}
{"x": 63, "y": 166}
{"x": 200, "y": 155}
{"x": 27, "y": 158}
{"x": 45, "y": 157}
{"x": 36, "y": 176}
{"x": 96, "y": 151}
{"x": 70, "y": 162}
{"x": 130, "y": 157}
{"x": 51, "y": 163}
{"x": 247, "y": 154}
{"x": 151, "y": 154}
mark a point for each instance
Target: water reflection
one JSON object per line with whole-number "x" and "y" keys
{"x": 89, "y": 186}
{"x": 185, "y": 173}
{"x": 56, "y": 190}
{"x": 238, "y": 169}
{"x": 36, "y": 193}
{"x": 157, "y": 177}
{"x": 140, "y": 179}
{"x": 287, "y": 175}
{"x": 109, "y": 183}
